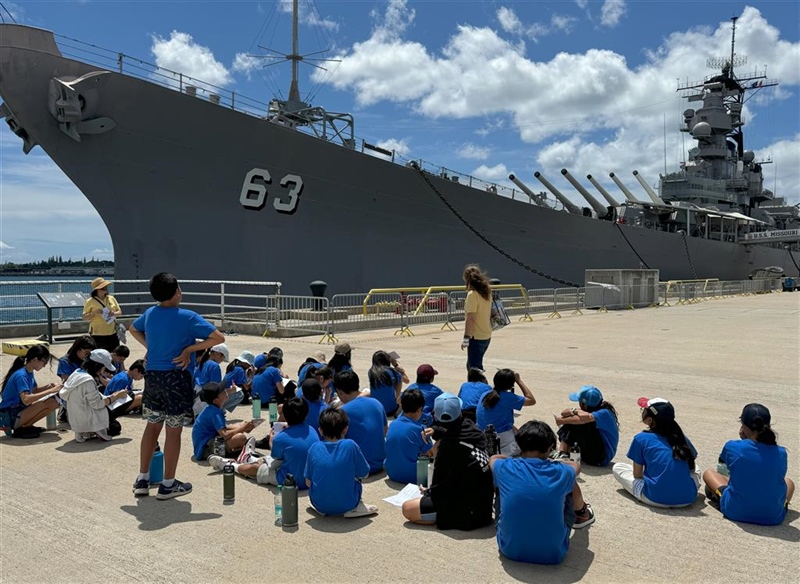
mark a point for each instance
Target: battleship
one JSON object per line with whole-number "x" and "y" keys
{"x": 211, "y": 186}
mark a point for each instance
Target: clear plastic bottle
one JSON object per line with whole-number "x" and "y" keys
{"x": 278, "y": 507}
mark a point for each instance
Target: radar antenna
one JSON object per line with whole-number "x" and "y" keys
{"x": 727, "y": 64}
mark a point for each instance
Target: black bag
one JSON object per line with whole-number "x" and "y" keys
{"x": 114, "y": 428}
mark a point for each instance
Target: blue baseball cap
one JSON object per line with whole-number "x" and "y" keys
{"x": 260, "y": 361}
{"x": 447, "y": 407}
{"x": 588, "y": 395}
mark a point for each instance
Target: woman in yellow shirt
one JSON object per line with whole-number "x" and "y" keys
{"x": 102, "y": 310}
{"x": 478, "y": 309}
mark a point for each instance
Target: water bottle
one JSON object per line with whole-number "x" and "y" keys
{"x": 228, "y": 484}
{"x": 256, "y": 408}
{"x": 51, "y": 422}
{"x": 492, "y": 440}
{"x": 279, "y": 506}
{"x": 273, "y": 410}
{"x": 289, "y": 501}
{"x": 157, "y": 466}
{"x": 219, "y": 446}
{"x": 422, "y": 470}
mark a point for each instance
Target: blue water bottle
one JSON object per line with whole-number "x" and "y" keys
{"x": 157, "y": 467}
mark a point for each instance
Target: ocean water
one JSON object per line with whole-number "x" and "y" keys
{"x": 19, "y": 303}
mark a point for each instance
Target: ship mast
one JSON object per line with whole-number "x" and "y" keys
{"x": 294, "y": 57}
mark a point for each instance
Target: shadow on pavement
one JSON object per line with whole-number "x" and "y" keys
{"x": 73, "y": 447}
{"x": 44, "y": 438}
{"x": 487, "y": 532}
{"x": 574, "y": 568}
{"x": 335, "y": 523}
{"x": 783, "y": 531}
{"x": 153, "y": 514}
{"x": 696, "y": 509}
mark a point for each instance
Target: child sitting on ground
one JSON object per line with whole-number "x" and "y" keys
{"x": 335, "y": 468}
{"x": 312, "y": 395}
{"x": 406, "y": 439}
{"x": 592, "y": 428}
{"x": 663, "y": 472}
{"x": 425, "y": 375}
{"x": 119, "y": 355}
{"x": 752, "y": 487}
{"x": 124, "y": 380}
{"x": 289, "y": 450}
{"x": 537, "y": 496}
{"x": 386, "y": 380}
{"x": 366, "y": 420}
{"x": 471, "y": 392}
{"x": 211, "y": 423}
{"x": 497, "y": 407}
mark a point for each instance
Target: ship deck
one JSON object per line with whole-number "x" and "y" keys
{"x": 68, "y": 514}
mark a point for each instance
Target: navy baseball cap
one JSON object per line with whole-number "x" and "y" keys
{"x": 657, "y": 407}
{"x": 588, "y": 395}
{"x": 753, "y": 412}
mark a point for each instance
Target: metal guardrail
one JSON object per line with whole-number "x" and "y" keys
{"x": 261, "y": 303}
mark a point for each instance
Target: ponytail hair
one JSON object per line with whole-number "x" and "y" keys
{"x": 681, "y": 450}
{"x": 378, "y": 374}
{"x": 504, "y": 380}
{"x": 35, "y": 352}
{"x": 476, "y": 279}
{"x": 603, "y": 405}
{"x": 204, "y": 357}
{"x": 764, "y": 432}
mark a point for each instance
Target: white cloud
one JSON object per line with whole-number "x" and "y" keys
{"x": 612, "y": 12}
{"x": 307, "y": 14}
{"x": 491, "y": 173}
{"x": 4, "y": 245}
{"x": 582, "y": 3}
{"x": 396, "y": 19}
{"x": 181, "y": 54}
{"x": 399, "y": 146}
{"x": 244, "y": 63}
{"x": 473, "y": 152}
{"x": 509, "y": 21}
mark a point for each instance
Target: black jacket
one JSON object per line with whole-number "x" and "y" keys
{"x": 462, "y": 489}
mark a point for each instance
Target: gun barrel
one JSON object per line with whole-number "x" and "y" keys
{"x": 568, "y": 205}
{"x": 601, "y": 210}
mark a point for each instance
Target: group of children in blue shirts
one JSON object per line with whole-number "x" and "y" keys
{"x": 337, "y": 434}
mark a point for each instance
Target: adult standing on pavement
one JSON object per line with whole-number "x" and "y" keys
{"x": 102, "y": 310}
{"x": 478, "y": 310}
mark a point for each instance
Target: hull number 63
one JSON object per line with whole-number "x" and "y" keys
{"x": 254, "y": 191}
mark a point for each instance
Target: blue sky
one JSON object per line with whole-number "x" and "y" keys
{"x": 482, "y": 87}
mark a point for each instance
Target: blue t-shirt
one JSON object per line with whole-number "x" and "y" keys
{"x": 430, "y": 391}
{"x": 531, "y": 526}
{"x": 385, "y": 394}
{"x": 21, "y": 381}
{"x": 667, "y": 480}
{"x": 237, "y": 376}
{"x": 209, "y": 371}
{"x": 609, "y": 433}
{"x": 471, "y": 392}
{"x": 265, "y": 384}
{"x": 314, "y": 410}
{"x": 120, "y": 381}
{"x": 334, "y": 469}
{"x": 368, "y": 429}
{"x": 756, "y": 490}
{"x": 168, "y": 331}
{"x": 207, "y": 426}
{"x": 502, "y": 414}
{"x": 404, "y": 444}
{"x": 305, "y": 371}
{"x": 66, "y": 367}
{"x": 291, "y": 446}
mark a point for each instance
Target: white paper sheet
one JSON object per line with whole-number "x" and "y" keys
{"x": 120, "y": 402}
{"x": 409, "y": 493}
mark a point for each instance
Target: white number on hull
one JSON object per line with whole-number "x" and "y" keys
{"x": 254, "y": 191}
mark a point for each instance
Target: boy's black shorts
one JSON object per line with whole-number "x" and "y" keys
{"x": 167, "y": 397}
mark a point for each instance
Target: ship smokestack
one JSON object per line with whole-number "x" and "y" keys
{"x": 537, "y": 199}
{"x": 623, "y": 188}
{"x": 611, "y": 200}
{"x": 601, "y": 210}
{"x": 652, "y": 194}
{"x": 568, "y": 205}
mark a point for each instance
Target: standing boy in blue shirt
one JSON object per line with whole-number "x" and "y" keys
{"x": 335, "y": 468}
{"x": 367, "y": 419}
{"x": 407, "y": 439}
{"x": 169, "y": 334}
{"x": 537, "y": 496}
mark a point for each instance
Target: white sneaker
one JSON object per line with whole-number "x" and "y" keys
{"x": 103, "y": 435}
{"x": 218, "y": 462}
{"x": 247, "y": 451}
{"x": 362, "y": 510}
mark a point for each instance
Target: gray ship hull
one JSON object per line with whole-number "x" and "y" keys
{"x": 167, "y": 182}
